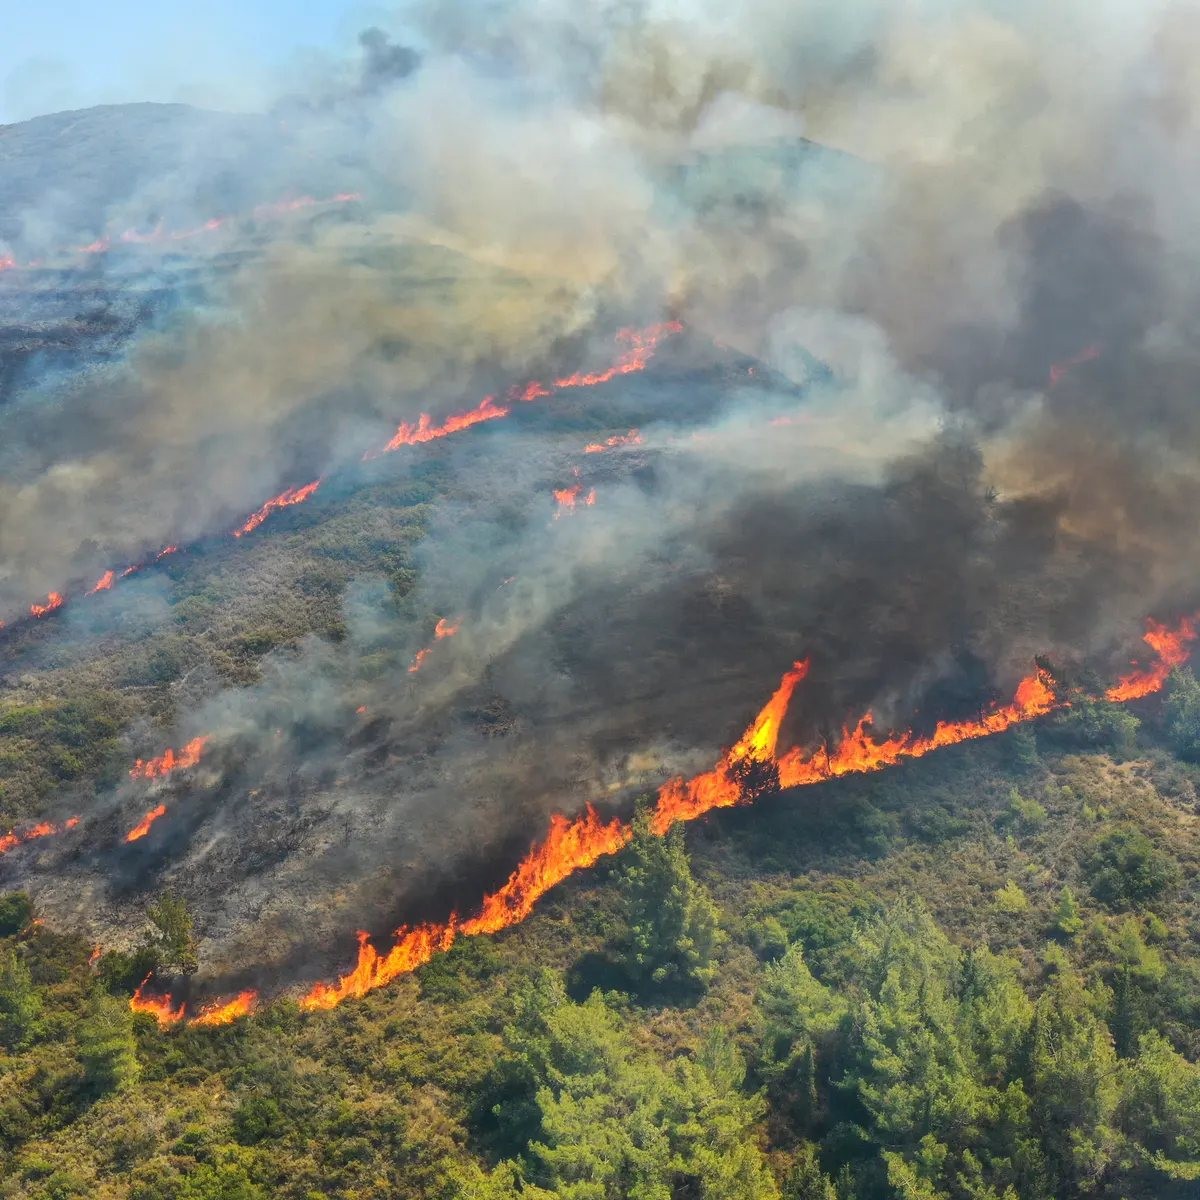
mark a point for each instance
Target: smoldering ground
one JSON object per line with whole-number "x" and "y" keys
{"x": 924, "y": 524}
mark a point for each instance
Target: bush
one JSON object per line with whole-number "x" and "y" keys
{"x": 16, "y": 911}
{"x": 1124, "y": 868}
{"x": 1181, "y": 714}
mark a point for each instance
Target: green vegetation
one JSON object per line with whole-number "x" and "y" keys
{"x": 976, "y": 977}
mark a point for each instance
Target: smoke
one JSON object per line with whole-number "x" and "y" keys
{"x": 952, "y": 242}
{"x": 384, "y": 62}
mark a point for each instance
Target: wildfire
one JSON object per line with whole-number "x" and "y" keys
{"x": 43, "y": 829}
{"x": 632, "y": 438}
{"x": 568, "y": 498}
{"x": 443, "y": 629}
{"x": 570, "y": 846}
{"x": 159, "y": 1006}
{"x": 1172, "y": 646}
{"x": 859, "y": 752}
{"x": 426, "y": 431}
{"x": 142, "y": 828}
{"x": 170, "y": 760}
{"x": 573, "y": 845}
{"x": 285, "y": 499}
{"x": 160, "y": 234}
{"x": 53, "y": 600}
{"x": 1087, "y": 354}
{"x": 217, "y": 1013}
{"x": 641, "y": 345}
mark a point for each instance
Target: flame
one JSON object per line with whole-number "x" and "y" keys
{"x": 160, "y": 1006}
{"x": 642, "y": 343}
{"x": 217, "y": 1013}
{"x": 632, "y": 438}
{"x": 1172, "y": 647}
{"x": 1059, "y": 369}
{"x": 170, "y": 760}
{"x": 443, "y": 629}
{"x": 285, "y": 499}
{"x": 567, "y": 498}
{"x": 94, "y": 957}
{"x": 53, "y": 600}
{"x": 684, "y": 800}
{"x": 142, "y": 828}
{"x": 859, "y": 752}
{"x": 42, "y": 829}
{"x": 426, "y": 431}
{"x": 570, "y": 846}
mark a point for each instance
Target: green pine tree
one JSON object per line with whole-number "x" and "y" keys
{"x": 1067, "y": 920}
{"x": 107, "y": 1048}
{"x": 673, "y": 922}
{"x": 20, "y": 1004}
{"x": 1072, "y": 1084}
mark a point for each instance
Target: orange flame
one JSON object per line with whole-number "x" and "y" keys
{"x": 426, "y": 431}
{"x": 642, "y": 344}
{"x": 859, "y": 752}
{"x": 160, "y": 234}
{"x": 632, "y": 438}
{"x": 443, "y": 629}
{"x": 103, "y": 583}
{"x": 567, "y": 498}
{"x": 217, "y": 1013}
{"x": 170, "y": 760}
{"x": 142, "y": 828}
{"x": 285, "y": 499}
{"x": 1087, "y": 354}
{"x": 1172, "y": 647}
{"x": 53, "y": 600}
{"x": 569, "y": 847}
{"x": 159, "y": 1006}
{"x": 42, "y": 829}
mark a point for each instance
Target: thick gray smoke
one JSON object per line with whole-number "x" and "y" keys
{"x": 953, "y": 241}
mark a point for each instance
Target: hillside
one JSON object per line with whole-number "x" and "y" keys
{"x": 562, "y": 639}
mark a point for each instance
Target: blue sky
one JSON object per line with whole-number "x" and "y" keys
{"x": 57, "y": 54}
